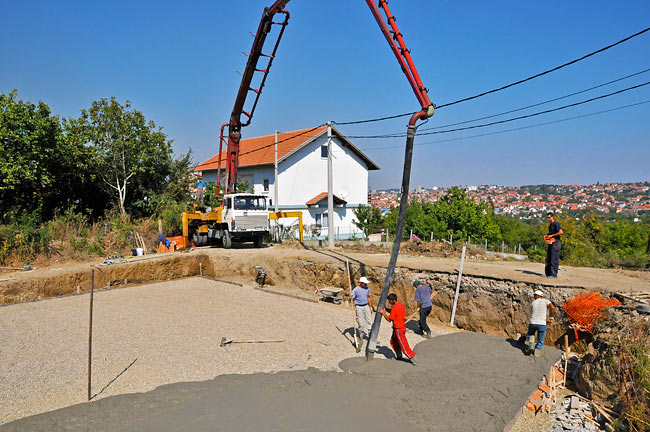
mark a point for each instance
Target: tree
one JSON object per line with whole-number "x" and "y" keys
{"x": 130, "y": 151}
{"x": 41, "y": 170}
{"x": 455, "y": 213}
{"x": 369, "y": 219}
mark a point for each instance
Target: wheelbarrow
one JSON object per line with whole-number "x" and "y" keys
{"x": 331, "y": 294}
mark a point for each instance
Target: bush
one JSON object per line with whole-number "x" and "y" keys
{"x": 537, "y": 255}
{"x": 23, "y": 238}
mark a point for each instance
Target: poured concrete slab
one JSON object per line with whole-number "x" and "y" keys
{"x": 462, "y": 382}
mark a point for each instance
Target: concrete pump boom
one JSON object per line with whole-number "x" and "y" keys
{"x": 393, "y": 37}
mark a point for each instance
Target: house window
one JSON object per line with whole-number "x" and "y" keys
{"x": 266, "y": 185}
{"x": 321, "y": 219}
{"x": 323, "y": 151}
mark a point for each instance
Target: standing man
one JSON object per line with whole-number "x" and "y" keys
{"x": 200, "y": 189}
{"x": 398, "y": 339}
{"x": 423, "y": 295}
{"x": 362, "y": 305}
{"x": 553, "y": 240}
{"x": 538, "y": 322}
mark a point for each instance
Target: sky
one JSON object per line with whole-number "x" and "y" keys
{"x": 177, "y": 62}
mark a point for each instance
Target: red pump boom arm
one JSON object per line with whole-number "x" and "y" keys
{"x": 393, "y": 37}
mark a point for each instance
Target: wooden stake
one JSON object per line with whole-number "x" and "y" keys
{"x": 566, "y": 358}
{"x": 90, "y": 330}
{"x": 354, "y": 309}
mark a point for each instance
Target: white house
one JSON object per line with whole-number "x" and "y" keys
{"x": 302, "y": 176}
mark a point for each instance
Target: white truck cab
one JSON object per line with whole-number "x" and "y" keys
{"x": 245, "y": 217}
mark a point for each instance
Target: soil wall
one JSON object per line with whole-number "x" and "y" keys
{"x": 487, "y": 305}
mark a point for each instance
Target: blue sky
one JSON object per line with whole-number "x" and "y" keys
{"x": 178, "y": 62}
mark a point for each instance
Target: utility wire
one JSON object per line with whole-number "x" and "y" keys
{"x": 510, "y": 119}
{"x": 546, "y": 71}
{"x": 505, "y": 86}
{"x": 281, "y": 141}
{"x": 513, "y": 129}
{"x": 374, "y": 119}
{"x": 539, "y": 103}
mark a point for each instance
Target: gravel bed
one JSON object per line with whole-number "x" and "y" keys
{"x": 163, "y": 333}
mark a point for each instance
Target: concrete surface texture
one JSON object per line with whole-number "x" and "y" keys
{"x": 151, "y": 335}
{"x": 463, "y": 382}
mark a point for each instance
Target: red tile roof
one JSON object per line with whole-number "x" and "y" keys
{"x": 321, "y": 196}
{"x": 261, "y": 150}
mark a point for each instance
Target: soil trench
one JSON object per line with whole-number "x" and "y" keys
{"x": 490, "y": 305}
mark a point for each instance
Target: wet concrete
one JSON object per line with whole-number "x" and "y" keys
{"x": 462, "y": 382}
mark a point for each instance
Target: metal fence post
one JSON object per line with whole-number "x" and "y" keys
{"x": 460, "y": 275}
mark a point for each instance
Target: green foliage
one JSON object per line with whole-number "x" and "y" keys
{"x": 41, "y": 170}
{"x": 23, "y": 237}
{"x": 537, "y": 255}
{"x": 369, "y": 219}
{"x": 132, "y": 155}
{"x": 455, "y": 213}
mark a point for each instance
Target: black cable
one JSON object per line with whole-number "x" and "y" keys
{"x": 510, "y": 119}
{"x": 281, "y": 141}
{"x": 374, "y": 119}
{"x": 545, "y": 72}
{"x": 505, "y": 86}
{"x": 539, "y": 103}
{"x": 513, "y": 129}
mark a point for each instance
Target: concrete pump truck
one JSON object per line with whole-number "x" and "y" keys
{"x": 245, "y": 217}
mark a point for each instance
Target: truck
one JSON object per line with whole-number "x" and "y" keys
{"x": 242, "y": 217}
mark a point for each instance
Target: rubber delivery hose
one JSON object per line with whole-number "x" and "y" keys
{"x": 371, "y": 347}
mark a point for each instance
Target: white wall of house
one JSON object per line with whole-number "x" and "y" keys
{"x": 303, "y": 175}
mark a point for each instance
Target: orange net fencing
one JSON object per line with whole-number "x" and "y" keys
{"x": 588, "y": 309}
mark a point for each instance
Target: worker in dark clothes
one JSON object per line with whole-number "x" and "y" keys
{"x": 553, "y": 240}
{"x": 423, "y": 295}
{"x": 398, "y": 340}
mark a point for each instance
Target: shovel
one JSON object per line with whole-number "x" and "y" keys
{"x": 225, "y": 342}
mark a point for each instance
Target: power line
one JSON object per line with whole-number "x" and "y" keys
{"x": 539, "y": 103}
{"x": 514, "y": 129}
{"x": 546, "y": 71}
{"x": 281, "y": 141}
{"x": 374, "y": 119}
{"x": 507, "y": 85}
{"x": 510, "y": 119}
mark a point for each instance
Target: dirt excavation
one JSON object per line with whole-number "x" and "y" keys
{"x": 151, "y": 335}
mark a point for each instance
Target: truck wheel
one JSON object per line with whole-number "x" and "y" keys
{"x": 203, "y": 239}
{"x": 259, "y": 241}
{"x": 226, "y": 240}
{"x": 194, "y": 238}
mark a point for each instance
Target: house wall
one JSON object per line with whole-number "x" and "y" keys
{"x": 303, "y": 175}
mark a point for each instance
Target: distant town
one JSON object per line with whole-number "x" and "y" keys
{"x": 532, "y": 201}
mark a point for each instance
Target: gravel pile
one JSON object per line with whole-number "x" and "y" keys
{"x": 568, "y": 418}
{"x": 147, "y": 336}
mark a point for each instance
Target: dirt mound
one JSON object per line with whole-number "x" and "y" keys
{"x": 616, "y": 367}
{"x": 417, "y": 247}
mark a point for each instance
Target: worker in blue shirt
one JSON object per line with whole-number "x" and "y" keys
{"x": 423, "y": 295}
{"x": 200, "y": 189}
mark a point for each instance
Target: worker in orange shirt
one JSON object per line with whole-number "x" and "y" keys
{"x": 398, "y": 339}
